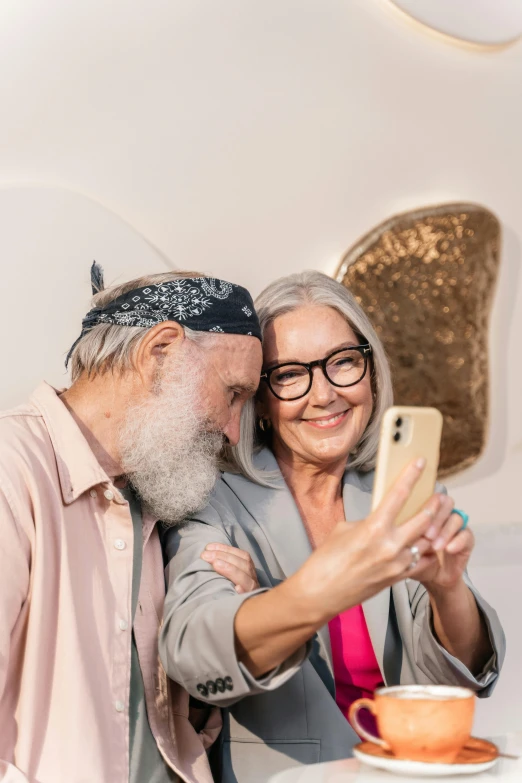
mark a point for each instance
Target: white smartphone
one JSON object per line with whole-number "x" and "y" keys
{"x": 408, "y": 432}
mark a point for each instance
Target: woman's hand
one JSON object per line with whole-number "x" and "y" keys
{"x": 361, "y": 559}
{"x": 453, "y": 547}
{"x": 354, "y": 563}
{"x": 234, "y": 564}
{"x": 458, "y": 625}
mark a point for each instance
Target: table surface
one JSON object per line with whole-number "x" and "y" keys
{"x": 353, "y": 771}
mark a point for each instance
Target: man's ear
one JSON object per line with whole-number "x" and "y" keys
{"x": 160, "y": 342}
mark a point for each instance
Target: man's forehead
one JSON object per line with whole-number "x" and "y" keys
{"x": 239, "y": 358}
{"x": 246, "y": 346}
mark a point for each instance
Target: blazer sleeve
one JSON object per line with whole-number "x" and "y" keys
{"x": 436, "y": 662}
{"x": 197, "y": 644}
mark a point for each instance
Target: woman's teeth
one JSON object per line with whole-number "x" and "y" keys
{"x": 327, "y": 422}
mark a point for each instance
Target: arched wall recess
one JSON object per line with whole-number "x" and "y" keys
{"x": 485, "y": 23}
{"x": 48, "y": 240}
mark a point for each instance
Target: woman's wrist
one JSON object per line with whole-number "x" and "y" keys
{"x": 459, "y": 625}
{"x": 446, "y": 592}
{"x": 306, "y": 599}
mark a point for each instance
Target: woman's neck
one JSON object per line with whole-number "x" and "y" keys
{"x": 313, "y": 484}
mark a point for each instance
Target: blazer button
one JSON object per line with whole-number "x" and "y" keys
{"x": 220, "y": 684}
{"x": 202, "y": 689}
{"x": 229, "y": 685}
{"x": 211, "y": 685}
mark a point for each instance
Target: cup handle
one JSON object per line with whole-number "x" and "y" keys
{"x": 364, "y": 704}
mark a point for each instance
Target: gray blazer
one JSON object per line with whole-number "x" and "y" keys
{"x": 289, "y": 717}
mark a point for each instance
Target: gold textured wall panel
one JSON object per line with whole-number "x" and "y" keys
{"x": 426, "y": 279}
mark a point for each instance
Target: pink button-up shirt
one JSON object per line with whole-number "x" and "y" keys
{"x": 66, "y": 556}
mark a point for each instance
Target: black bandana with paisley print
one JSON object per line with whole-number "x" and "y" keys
{"x": 204, "y": 304}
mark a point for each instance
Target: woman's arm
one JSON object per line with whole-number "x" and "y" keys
{"x": 457, "y": 636}
{"x": 214, "y": 640}
{"x": 445, "y": 639}
{"x": 355, "y": 562}
{"x": 460, "y": 627}
{"x": 197, "y": 643}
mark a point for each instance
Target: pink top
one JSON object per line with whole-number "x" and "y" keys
{"x": 66, "y": 553}
{"x": 356, "y": 670}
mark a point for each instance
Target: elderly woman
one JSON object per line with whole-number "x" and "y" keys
{"x": 347, "y": 599}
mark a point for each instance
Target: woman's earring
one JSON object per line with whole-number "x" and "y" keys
{"x": 264, "y": 424}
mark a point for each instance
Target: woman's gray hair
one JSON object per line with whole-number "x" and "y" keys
{"x": 108, "y": 347}
{"x": 281, "y": 297}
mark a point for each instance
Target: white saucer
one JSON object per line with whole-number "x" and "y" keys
{"x": 420, "y": 768}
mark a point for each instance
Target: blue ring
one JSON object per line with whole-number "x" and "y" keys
{"x": 463, "y": 516}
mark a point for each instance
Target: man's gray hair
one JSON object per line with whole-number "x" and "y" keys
{"x": 288, "y": 294}
{"x": 108, "y": 347}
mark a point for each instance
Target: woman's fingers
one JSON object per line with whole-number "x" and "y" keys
{"x": 241, "y": 579}
{"x": 413, "y": 558}
{"x": 231, "y": 556}
{"x": 395, "y": 499}
{"x": 464, "y": 541}
{"x": 428, "y": 561}
{"x": 440, "y": 518}
{"x": 232, "y": 564}
{"x": 417, "y": 526}
{"x": 229, "y": 549}
{"x": 448, "y": 531}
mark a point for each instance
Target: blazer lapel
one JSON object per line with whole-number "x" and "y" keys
{"x": 357, "y": 505}
{"x": 275, "y": 511}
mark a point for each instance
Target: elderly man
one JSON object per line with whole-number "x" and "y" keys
{"x": 160, "y": 373}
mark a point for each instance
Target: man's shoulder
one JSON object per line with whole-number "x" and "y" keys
{"x": 19, "y": 421}
{"x": 23, "y": 436}
{"x": 23, "y": 411}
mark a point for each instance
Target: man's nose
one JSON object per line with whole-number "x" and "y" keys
{"x": 233, "y": 429}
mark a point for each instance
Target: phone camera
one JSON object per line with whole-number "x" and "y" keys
{"x": 398, "y": 422}
{"x": 397, "y": 436}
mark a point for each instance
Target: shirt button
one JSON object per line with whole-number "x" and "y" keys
{"x": 93, "y": 493}
{"x": 119, "y": 543}
{"x": 119, "y": 706}
{"x": 123, "y": 625}
{"x": 108, "y": 494}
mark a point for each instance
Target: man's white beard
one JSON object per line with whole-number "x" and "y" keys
{"x": 166, "y": 449}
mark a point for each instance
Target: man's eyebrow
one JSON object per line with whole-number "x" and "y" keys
{"x": 246, "y": 386}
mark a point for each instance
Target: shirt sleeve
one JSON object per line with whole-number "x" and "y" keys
{"x": 14, "y": 586}
{"x": 197, "y": 641}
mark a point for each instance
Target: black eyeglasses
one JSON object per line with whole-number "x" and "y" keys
{"x": 293, "y": 380}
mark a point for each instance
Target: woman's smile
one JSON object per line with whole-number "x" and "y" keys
{"x": 330, "y": 421}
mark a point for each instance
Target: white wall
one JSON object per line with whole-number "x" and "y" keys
{"x": 249, "y": 139}
{"x": 252, "y": 139}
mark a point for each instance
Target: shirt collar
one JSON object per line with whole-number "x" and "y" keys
{"x": 78, "y": 468}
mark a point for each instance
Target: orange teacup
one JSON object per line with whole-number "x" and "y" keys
{"x": 419, "y": 722}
